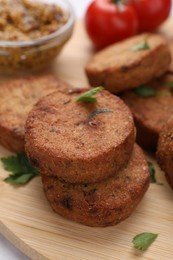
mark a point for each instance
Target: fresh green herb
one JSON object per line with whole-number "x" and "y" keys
{"x": 88, "y": 96}
{"x": 141, "y": 46}
{"x": 152, "y": 172}
{"x": 145, "y": 91}
{"x": 148, "y": 91}
{"x": 144, "y": 240}
{"x": 20, "y": 168}
{"x": 99, "y": 111}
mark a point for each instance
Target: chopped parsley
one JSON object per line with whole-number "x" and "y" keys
{"x": 88, "y": 96}
{"x": 144, "y": 240}
{"x": 99, "y": 111}
{"x": 148, "y": 91}
{"x": 145, "y": 91}
{"x": 152, "y": 172}
{"x": 20, "y": 168}
{"x": 141, "y": 46}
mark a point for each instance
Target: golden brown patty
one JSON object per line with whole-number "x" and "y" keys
{"x": 165, "y": 150}
{"x": 101, "y": 204}
{"x": 118, "y": 67}
{"x": 79, "y": 142}
{"x": 151, "y": 113}
{"x": 16, "y": 100}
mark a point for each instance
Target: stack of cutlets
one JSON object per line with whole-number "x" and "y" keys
{"x": 92, "y": 172}
{"x": 140, "y": 69}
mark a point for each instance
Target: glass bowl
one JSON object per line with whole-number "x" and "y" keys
{"x": 33, "y": 55}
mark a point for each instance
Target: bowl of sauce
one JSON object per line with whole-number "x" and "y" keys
{"x": 33, "y": 33}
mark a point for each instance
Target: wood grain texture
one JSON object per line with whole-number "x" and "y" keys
{"x": 27, "y": 220}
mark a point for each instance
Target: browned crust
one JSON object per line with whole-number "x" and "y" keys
{"x": 61, "y": 141}
{"x": 12, "y": 139}
{"x": 165, "y": 151}
{"x": 146, "y": 137}
{"x": 131, "y": 68}
{"x": 16, "y": 100}
{"x": 105, "y": 203}
{"x": 151, "y": 113}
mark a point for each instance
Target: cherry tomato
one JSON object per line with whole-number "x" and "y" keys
{"x": 151, "y": 13}
{"x": 109, "y": 21}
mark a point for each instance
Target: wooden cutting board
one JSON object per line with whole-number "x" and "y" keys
{"x": 27, "y": 220}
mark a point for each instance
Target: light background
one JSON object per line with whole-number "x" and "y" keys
{"x": 8, "y": 251}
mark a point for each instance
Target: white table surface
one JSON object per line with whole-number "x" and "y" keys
{"x": 7, "y": 250}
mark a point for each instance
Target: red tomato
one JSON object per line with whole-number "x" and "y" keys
{"x": 108, "y": 21}
{"x": 151, "y": 13}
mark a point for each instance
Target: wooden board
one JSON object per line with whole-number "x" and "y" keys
{"x": 27, "y": 220}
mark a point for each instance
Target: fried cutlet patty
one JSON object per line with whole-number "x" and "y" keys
{"x": 79, "y": 142}
{"x": 16, "y": 100}
{"x": 165, "y": 150}
{"x": 151, "y": 113}
{"x": 120, "y": 67}
{"x": 104, "y": 203}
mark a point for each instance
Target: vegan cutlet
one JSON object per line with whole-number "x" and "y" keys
{"x": 101, "y": 204}
{"x": 79, "y": 142}
{"x": 151, "y": 112}
{"x": 16, "y": 100}
{"x": 130, "y": 63}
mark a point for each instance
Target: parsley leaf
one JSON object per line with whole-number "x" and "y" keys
{"x": 141, "y": 46}
{"x": 99, "y": 111}
{"x": 20, "y": 168}
{"x": 88, "y": 96}
{"x": 144, "y": 240}
{"x": 152, "y": 172}
{"x": 145, "y": 91}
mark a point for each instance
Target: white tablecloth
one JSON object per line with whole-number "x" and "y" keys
{"x": 8, "y": 251}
